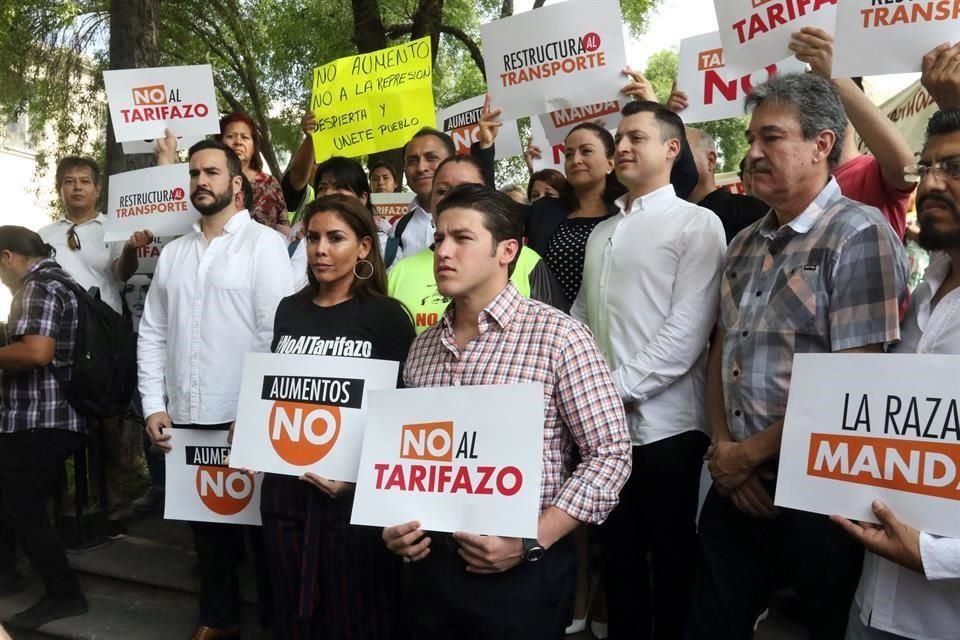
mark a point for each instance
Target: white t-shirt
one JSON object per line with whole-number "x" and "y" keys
{"x": 92, "y": 264}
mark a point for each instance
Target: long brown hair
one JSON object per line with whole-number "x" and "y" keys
{"x": 360, "y": 220}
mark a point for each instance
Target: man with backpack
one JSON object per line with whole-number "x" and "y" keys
{"x": 39, "y": 427}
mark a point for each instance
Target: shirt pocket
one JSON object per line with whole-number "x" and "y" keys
{"x": 233, "y": 272}
{"x": 797, "y": 302}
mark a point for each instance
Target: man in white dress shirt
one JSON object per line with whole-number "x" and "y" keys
{"x": 82, "y": 252}
{"x": 910, "y": 586}
{"x": 650, "y": 294}
{"x": 213, "y": 298}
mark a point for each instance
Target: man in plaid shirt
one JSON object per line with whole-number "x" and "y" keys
{"x": 468, "y": 585}
{"x": 38, "y": 426}
{"x": 818, "y": 274}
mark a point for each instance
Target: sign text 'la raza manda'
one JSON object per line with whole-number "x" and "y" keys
{"x": 866, "y": 426}
{"x": 454, "y": 459}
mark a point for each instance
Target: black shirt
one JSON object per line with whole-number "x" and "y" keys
{"x": 736, "y": 211}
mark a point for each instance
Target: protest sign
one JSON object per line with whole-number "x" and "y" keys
{"x": 896, "y": 36}
{"x": 571, "y": 52}
{"x": 199, "y": 485}
{"x": 711, "y": 93}
{"x": 909, "y": 110}
{"x": 307, "y": 412}
{"x": 148, "y": 255}
{"x": 549, "y": 130}
{"x": 147, "y": 146}
{"x": 865, "y": 426}
{"x": 454, "y": 459}
{"x": 146, "y": 102}
{"x": 155, "y": 198}
{"x": 461, "y": 122}
{"x": 373, "y": 101}
{"x": 391, "y": 206}
{"x": 755, "y": 33}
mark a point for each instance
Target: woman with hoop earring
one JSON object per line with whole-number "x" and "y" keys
{"x": 331, "y": 579}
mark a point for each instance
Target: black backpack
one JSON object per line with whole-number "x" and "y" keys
{"x": 104, "y": 372}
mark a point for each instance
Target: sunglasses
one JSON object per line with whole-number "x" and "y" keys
{"x": 73, "y": 240}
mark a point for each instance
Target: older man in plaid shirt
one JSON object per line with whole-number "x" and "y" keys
{"x": 818, "y": 274}
{"x": 471, "y": 586}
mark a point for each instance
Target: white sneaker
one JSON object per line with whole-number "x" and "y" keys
{"x": 576, "y": 626}
{"x": 600, "y": 630}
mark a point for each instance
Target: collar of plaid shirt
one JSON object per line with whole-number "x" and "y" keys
{"x": 498, "y": 311}
{"x": 770, "y": 224}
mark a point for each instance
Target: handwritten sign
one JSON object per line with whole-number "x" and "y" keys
{"x": 201, "y": 487}
{"x": 155, "y": 198}
{"x": 391, "y": 206}
{"x": 300, "y": 413}
{"x": 454, "y": 458}
{"x": 755, "y": 33}
{"x": 461, "y": 122}
{"x": 559, "y": 56}
{"x": 146, "y": 102}
{"x": 373, "y": 101}
{"x": 865, "y": 426}
{"x": 897, "y": 36}
{"x": 712, "y": 94}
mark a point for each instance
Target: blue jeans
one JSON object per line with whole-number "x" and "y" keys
{"x": 856, "y": 630}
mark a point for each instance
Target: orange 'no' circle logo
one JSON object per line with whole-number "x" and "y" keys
{"x": 303, "y": 434}
{"x": 224, "y": 491}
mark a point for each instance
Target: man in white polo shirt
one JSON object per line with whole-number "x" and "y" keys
{"x": 82, "y": 252}
{"x": 650, "y": 294}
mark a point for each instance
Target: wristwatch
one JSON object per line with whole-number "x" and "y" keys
{"x": 532, "y": 550}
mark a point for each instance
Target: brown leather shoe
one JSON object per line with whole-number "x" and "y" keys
{"x": 204, "y": 632}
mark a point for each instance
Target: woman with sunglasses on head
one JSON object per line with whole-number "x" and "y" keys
{"x": 331, "y": 579}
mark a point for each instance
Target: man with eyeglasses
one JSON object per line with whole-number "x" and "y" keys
{"x": 82, "y": 252}
{"x": 910, "y": 587}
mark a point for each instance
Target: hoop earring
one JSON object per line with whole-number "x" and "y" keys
{"x": 369, "y": 264}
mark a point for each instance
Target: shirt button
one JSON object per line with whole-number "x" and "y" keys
{"x": 736, "y": 373}
{"x": 759, "y": 293}
{"x": 745, "y": 334}
{"x": 738, "y": 413}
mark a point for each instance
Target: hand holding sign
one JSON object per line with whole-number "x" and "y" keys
{"x": 156, "y": 424}
{"x": 407, "y": 541}
{"x": 892, "y": 539}
{"x": 165, "y": 148}
{"x": 941, "y": 75}
{"x": 333, "y": 488}
{"x": 639, "y": 88}
{"x": 815, "y": 47}
{"x": 678, "y": 99}
{"x": 489, "y": 554}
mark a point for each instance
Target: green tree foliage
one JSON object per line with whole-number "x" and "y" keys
{"x": 731, "y": 143}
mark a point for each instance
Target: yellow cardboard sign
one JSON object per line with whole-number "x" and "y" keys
{"x": 373, "y": 101}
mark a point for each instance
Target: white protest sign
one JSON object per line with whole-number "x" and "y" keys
{"x": 454, "y": 459}
{"x": 301, "y": 413}
{"x": 756, "y": 33}
{"x": 865, "y": 426}
{"x": 391, "y": 206}
{"x": 461, "y": 122}
{"x": 549, "y": 130}
{"x": 201, "y": 488}
{"x": 909, "y": 110}
{"x": 559, "y": 56}
{"x": 147, "y": 146}
{"x": 146, "y": 102}
{"x": 148, "y": 255}
{"x": 896, "y": 36}
{"x": 712, "y": 94}
{"x": 155, "y": 198}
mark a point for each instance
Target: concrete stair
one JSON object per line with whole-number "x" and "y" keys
{"x": 139, "y": 586}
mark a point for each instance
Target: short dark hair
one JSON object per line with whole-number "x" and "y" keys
{"x": 436, "y": 133}
{"x": 24, "y": 242}
{"x": 501, "y": 215}
{"x": 944, "y": 122}
{"x": 237, "y": 116}
{"x": 233, "y": 162}
{"x": 471, "y": 160}
{"x": 70, "y": 163}
{"x": 669, "y": 123}
{"x": 813, "y": 100}
{"x": 247, "y": 189}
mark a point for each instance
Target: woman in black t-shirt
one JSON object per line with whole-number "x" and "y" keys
{"x": 330, "y": 579}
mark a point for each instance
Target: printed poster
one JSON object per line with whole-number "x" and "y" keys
{"x": 461, "y": 122}
{"x": 200, "y": 486}
{"x": 155, "y": 198}
{"x": 453, "y": 458}
{"x": 391, "y": 206}
{"x": 144, "y": 103}
{"x": 147, "y": 146}
{"x": 861, "y": 427}
{"x": 549, "y": 130}
{"x": 559, "y": 56}
{"x": 301, "y": 413}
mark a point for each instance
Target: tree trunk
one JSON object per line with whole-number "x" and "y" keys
{"x": 134, "y": 44}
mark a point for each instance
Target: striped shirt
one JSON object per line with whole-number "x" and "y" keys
{"x": 522, "y": 340}
{"x": 831, "y": 279}
{"x": 33, "y": 398}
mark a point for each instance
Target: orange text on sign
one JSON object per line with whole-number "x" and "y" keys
{"x": 932, "y": 11}
{"x": 427, "y": 441}
{"x": 224, "y": 491}
{"x": 915, "y": 466}
{"x": 153, "y": 94}
{"x": 301, "y": 433}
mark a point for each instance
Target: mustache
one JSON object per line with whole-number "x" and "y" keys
{"x": 946, "y": 203}
{"x": 759, "y": 167}
{"x": 201, "y": 190}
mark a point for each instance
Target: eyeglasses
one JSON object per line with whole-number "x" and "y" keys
{"x": 73, "y": 240}
{"x": 917, "y": 172}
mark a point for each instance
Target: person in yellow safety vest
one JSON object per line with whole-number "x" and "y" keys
{"x": 412, "y": 282}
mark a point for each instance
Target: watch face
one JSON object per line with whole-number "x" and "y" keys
{"x": 535, "y": 553}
